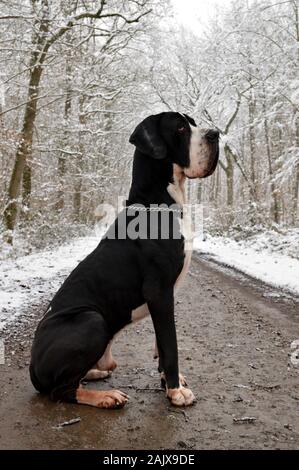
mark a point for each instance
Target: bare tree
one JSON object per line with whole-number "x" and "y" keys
{"x": 44, "y": 37}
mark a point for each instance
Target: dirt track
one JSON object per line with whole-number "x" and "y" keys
{"x": 234, "y": 341}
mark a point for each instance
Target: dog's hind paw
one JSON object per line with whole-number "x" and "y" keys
{"x": 113, "y": 399}
{"x": 106, "y": 364}
{"x": 96, "y": 374}
{"x": 101, "y": 399}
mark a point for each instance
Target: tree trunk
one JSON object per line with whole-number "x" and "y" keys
{"x": 296, "y": 185}
{"x": 79, "y": 163}
{"x": 61, "y": 165}
{"x": 27, "y": 183}
{"x": 24, "y": 149}
{"x": 78, "y": 186}
{"x": 251, "y": 110}
{"x": 218, "y": 184}
{"x": 273, "y": 189}
{"x": 295, "y": 213}
{"x": 199, "y": 192}
{"x": 229, "y": 171}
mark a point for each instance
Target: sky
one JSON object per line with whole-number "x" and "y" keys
{"x": 190, "y": 12}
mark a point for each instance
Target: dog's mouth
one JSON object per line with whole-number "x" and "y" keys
{"x": 213, "y": 161}
{"x": 204, "y": 155}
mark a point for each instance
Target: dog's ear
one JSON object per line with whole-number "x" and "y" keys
{"x": 146, "y": 138}
{"x": 190, "y": 119}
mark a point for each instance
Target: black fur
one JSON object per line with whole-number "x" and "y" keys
{"x": 98, "y": 297}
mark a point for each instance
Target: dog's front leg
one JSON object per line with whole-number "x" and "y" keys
{"x": 182, "y": 379}
{"x": 162, "y": 312}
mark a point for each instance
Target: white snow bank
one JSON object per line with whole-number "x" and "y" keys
{"x": 258, "y": 257}
{"x": 25, "y": 281}
{"x": 32, "y": 279}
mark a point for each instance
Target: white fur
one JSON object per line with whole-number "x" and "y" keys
{"x": 140, "y": 312}
{"x": 177, "y": 192}
{"x": 200, "y": 154}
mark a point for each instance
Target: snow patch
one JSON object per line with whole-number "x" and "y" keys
{"x": 258, "y": 257}
{"x": 32, "y": 279}
{"x": 26, "y": 280}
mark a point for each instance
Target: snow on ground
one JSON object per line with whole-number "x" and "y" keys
{"x": 269, "y": 257}
{"x": 28, "y": 279}
{"x": 32, "y": 279}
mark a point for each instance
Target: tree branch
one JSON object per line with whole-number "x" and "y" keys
{"x": 16, "y": 17}
{"x": 236, "y": 159}
{"x": 234, "y": 115}
{"x": 96, "y": 15}
{"x": 223, "y": 166}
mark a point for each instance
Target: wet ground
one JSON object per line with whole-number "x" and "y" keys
{"x": 235, "y": 338}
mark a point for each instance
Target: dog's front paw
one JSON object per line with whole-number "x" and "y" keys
{"x": 181, "y": 396}
{"x": 183, "y": 381}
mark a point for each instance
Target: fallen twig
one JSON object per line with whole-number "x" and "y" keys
{"x": 266, "y": 387}
{"x": 245, "y": 419}
{"x": 67, "y": 423}
{"x": 242, "y": 386}
{"x": 143, "y": 389}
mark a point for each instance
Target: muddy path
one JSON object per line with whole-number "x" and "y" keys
{"x": 234, "y": 343}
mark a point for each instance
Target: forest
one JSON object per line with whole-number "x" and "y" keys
{"x": 213, "y": 364}
{"x": 77, "y": 76}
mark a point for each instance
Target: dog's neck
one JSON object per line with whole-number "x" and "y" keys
{"x": 177, "y": 188}
{"x": 155, "y": 182}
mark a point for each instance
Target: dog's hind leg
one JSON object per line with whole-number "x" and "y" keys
{"x": 96, "y": 374}
{"x": 62, "y": 355}
{"x": 107, "y": 362}
{"x": 103, "y": 367}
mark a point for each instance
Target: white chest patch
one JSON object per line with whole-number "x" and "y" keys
{"x": 177, "y": 189}
{"x": 177, "y": 192}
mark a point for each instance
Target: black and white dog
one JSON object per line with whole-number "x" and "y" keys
{"x": 123, "y": 279}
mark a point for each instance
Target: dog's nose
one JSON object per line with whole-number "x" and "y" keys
{"x": 212, "y": 135}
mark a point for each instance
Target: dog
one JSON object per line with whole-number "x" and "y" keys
{"x": 125, "y": 279}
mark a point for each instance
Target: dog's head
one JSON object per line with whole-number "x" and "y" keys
{"x": 175, "y": 136}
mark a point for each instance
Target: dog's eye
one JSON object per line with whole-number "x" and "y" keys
{"x": 182, "y": 129}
